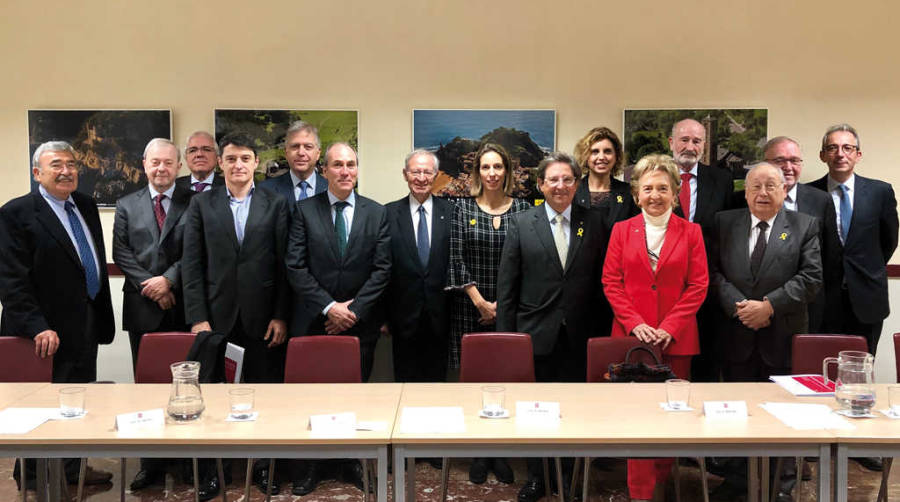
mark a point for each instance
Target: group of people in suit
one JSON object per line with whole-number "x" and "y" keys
{"x": 719, "y": 281}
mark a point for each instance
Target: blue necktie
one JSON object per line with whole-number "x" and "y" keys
{"x": 846, "y": 211}
{"x": 302, "y": 185}
{"x": 340, "y": 226}
{"x": 422, "y": 238}
{"x": 84, "y": 249}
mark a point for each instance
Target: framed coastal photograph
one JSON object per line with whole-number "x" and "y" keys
{"x": 734, "y": 136}
{"x": 455, "y": 136}
{"x": 109, "y": 145}
{"x": 267, "y": 128}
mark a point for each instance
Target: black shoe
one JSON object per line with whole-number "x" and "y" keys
{"x": 145, "y": 478}
{"x": 307, "y": 483}
{"x": 729, "y": 491}
{"x": 502, "y": 470}
{"x": 352, "y": 472}
{"x": 871, "y": 463}
{"x": 435, "y": 462}
{"x": 261, "y": 480}
{"x": 478, "y": 470}
{"x": 532, "y": 491}
{"x": 92, "y": 477}
{"x": 208, "y": 489}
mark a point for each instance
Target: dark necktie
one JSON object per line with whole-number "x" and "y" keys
{"x": 84, "y": 249}
{"x": 199, "y": 186}
{"x": 422, "y": 237}
{"x": 846, "y": 211}
{"x": 159, "y": 211}
{"x": 759, "y": 250}
{"x": 684, "y": 196}
{"x": 340, "y": 226}
{"x": 303, "y": 184}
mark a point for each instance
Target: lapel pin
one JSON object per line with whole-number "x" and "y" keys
{"x": 619, "y": 199}
{"x": 580, "y": 232}
{"x": 472, "y": 222}
{"x": 783, "y": 236}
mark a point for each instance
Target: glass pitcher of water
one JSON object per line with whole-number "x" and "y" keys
{"x": 854, "y": 387}
{"x": 185, "y": 400}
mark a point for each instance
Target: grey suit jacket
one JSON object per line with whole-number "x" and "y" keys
{"x": 142, "y": 251}
{"x": 790, "y": 276}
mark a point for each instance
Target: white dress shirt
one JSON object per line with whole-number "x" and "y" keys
{"x": 59, "y": 209}
{"x": 693, "y": 173}
{"x": 566, "y": 223}
{"x": 168, "y": 193}
{"x": 790, "y": 200}
{"x": 754, "y": 231}
{"x": 310, "y": 184}
{"x": 835, "y": 191}
{"x": 414, "y": 213}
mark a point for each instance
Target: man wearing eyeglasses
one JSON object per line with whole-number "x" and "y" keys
{"x": 549, "y": 284}
{"x": 201, "y": 154}
{"x": 866, "y": 224}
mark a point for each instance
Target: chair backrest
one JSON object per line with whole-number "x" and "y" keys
{"x": 603, "y": 351}
{"x": 157, "y": 352}
{"x": 323, "y": 359}
{"x": 496, "y": 357}
{"x": 19, "y": 363}
{"x": 808, "y": 351}
{"x": 897, "y": 354}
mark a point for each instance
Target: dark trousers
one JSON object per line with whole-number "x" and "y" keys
{"x": 706, "y": 366}
{"x": 421, "y": 357}
{"x": 849, "y": 324}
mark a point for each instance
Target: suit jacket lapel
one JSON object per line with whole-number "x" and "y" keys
{"x": 674, "y": 232}
{"x": 177, "y": 207}
{"x": 577, "y": 230}
{"x": 860, "y": 192}
{"x": 148, "y": 214}
{"x": 221, "y": 208}
{"x": 703, "y": 185}
{"x": 404, "y": 220}
{"x": 324, "y": 209}
{"x": 48, "y": 218}
{"x": 259, "y": 207}
{"x": 545, "y": 235}
{"x": 774, "y": 244}
{"x": 738, "y": 239}
{"x": 439, "y": 228}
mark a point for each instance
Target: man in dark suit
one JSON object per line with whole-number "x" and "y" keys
{"x": 705, "y": 190}
{"x": 338, "y": 262}
{"x": 301, "y": 149}
{"x": 54, "y": 286}
{"x": 416, "y": 304}
{"x": 550, "y": 281}
{"x": 201, "y": 153}
{"x": 233, "y": 269}
{"x": 147, "y": 242}
{"x": 866, "y": 223}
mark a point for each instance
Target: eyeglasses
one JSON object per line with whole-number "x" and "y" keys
{"x": 847, "y": 149}
{"x": 566, "y": 181}
{"x": 780, "y": 161}
{"x": 59, "y": 166}
{"x": 768, "y": 187}
{"x": 418, "y": 173}
{"x": 204, "y": 149}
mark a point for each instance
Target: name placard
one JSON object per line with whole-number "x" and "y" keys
{"x": 730, "y": 410}
{"x": 141, "y": 420}
{"x": 538, "y": 413}
{"x": 333, "y": 423}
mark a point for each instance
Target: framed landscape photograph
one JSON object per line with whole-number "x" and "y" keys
{"x": 267, "y": 128}
{"x": 734, "y": 136}
{"x": 109, "y": 145}
{"x": 455, "y": 136}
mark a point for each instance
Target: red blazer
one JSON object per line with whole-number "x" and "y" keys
{"x": 668, "y": 299}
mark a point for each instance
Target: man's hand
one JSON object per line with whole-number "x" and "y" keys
{"x": 155, "y": 287}
{"x": 644, "y": 333}
{"x": 340, "y": 318}
{"x": 277, "y": 331}
{"x": 755, "y": 314}
{"x": 488, "y": 311}
{"x": 201, "y": 326}
{"x": 167, "y": 301}
{"x": 46, "y": 343}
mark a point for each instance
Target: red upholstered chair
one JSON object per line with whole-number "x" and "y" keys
{"x": 157, "y": 352}
{"x": 18, "y": 362}
{"x": 496, "y": 357}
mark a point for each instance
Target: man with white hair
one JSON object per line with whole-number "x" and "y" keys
{"x": 201, "y": 154}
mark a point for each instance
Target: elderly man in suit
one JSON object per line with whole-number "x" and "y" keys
{"x": 301, "y": 149}
{"x": 866, "y": 224}
{"x": 339, "y": 263}
{"x": 54, "y": 286}
{"x": 200, "y": 153}
{"x": 233, "y": 272}
{"x": 549, "y": 283}
{"x": 416, "y": 302}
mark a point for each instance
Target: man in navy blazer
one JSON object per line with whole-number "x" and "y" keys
{"x": 200, "y": 153}
{"x": 301, "y": 149}
{"x": 866, "y": 223}
{"x": 416, "y": 303}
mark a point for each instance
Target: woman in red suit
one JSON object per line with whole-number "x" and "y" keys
{"x": 655, "y": 279}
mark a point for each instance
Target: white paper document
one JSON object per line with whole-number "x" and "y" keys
{"x": 24, "y": 420}
{"x": 538, "y": 413}
{"x": 333, "y": 423}
{"x": 806, "y": 416}
{"x": 432, "y": 420}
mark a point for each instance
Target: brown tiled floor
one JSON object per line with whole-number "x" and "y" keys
{"x": 606, "y": 486}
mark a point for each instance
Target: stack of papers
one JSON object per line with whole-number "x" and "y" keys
{"x": 806, "y": 416}
{"x": 24, "y": 420}
{"x": 805, "y": 385}
{"x": 432, "y": 420}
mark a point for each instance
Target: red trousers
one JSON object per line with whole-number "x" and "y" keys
{"x": 644, "y": 474}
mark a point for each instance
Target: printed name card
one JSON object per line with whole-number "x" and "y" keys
{"x": 729, "y": 410}
{"x": 538, "y": 413}
{"x": 332, "y": 424}
{"x": 141, "y": 420}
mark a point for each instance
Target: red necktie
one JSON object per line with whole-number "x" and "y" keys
{"x": 684, "y": 197}
{"x": 158, "y": 210}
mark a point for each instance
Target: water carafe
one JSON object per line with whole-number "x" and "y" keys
{"x": 854, "y": 387}
{"x": 185, "y": 401}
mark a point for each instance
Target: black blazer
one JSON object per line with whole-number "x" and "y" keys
{"x": 414, "y": 290}
{"x": 185, "y": 182}
{"x": 223, "y": 279}
{"x": 621, "y": 205}
{"x": 42, "y": 283}
{"x": 535, "y": 295}
{"x": 790, "y": 276}
{"x": 869, "y": 245}
{"x": 715, "y": 192}
{"x": 142, "y": 252}
{"x": 283, "y": 186}
{"x": 319, "y": 276}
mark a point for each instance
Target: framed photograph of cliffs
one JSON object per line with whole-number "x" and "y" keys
{"x": 268, "y": 127}
{"x": 734, "y": 136}
{"x": 455, "y": 136}
{"x": 109, "y": 145}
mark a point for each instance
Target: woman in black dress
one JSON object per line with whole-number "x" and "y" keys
{"x": 600, "y": 155}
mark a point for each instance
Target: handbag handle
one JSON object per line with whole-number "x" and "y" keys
{"x": 644, "y": 348}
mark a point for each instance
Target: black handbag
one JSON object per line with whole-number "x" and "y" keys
{"x": 628, "y": 371}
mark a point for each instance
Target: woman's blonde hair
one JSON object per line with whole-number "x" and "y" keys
{"x": 656, "y": 162}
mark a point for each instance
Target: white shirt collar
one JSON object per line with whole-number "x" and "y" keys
{"x": 850, "y": 183}
{"x": 755, "y": 221}
{"x": 551, "y": 213}
{"x": 692, "y": 171}
{"x": 792, "y": 194}
{"x": 209, "y": 179}
{"x": 414, "y": 204}
{"x": 47, "y": 195}
{"x": 168, "y": 193}
{"x": 351, "y": 199}
{"x": 311, "y": 180}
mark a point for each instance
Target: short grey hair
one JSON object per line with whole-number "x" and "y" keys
{"x": 340, "y": 143}
{"x": 558, "y": 157}
{"x": 840, "y": 128}
{"x": 201, "y": 133}
{"x": 299, "y": 126}
{"x": 777, "y": 140}
{"x": 758, "y": 165}
{"x": 686, "y": 119}
{"x": 51, "y": 146}
{"x": 161, "y": 141}
{"x": 416, "y": 153}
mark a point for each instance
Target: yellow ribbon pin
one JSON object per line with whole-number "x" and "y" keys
{"x": 783, "y": 236}
{"x": 619, "y": 199}
{"x": 472, "y": 222}
{"x": 580, "y": 232}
